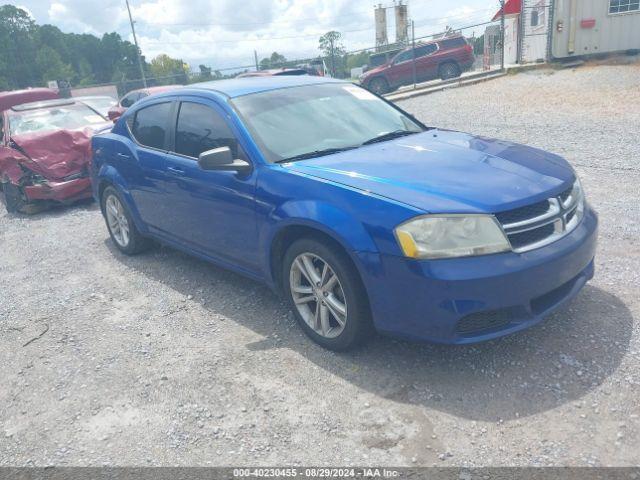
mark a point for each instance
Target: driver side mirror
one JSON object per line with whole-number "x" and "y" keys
{"x": 222, "y": 159}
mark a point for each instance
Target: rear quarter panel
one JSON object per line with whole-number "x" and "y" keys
{"x": 106, "y": 168}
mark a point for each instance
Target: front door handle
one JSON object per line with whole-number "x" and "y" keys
{"x": 176, "y": 170}
{"x": 123, "y": 155}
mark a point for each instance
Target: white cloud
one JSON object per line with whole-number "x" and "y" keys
{"x": 224, "y": 33}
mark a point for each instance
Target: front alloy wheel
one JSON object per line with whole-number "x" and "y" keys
{"x": 318, "y": 295}
{"x": 326, "y": 294}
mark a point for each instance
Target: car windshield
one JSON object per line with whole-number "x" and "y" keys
{"x": 310, "y": 120}
{"x": 100, "y": 104}
{"x": 64, "y": 117}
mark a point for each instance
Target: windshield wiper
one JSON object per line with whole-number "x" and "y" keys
{"x": 314, "y": 154}
{"x": 388, "y": 136}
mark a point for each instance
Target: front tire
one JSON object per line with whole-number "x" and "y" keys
{"x": 326, "y": 295}
{"x": 122, "y": 230}
{"x": 449, "y": 70}
{"x": 379, "y": 86}
{"x": 12, "y": 197}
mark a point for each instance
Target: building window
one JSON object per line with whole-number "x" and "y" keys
{"x": 622, "y": 6}
{"x": 534, "y": 18}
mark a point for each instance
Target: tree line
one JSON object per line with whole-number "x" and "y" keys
{"x": 31, "y": 55}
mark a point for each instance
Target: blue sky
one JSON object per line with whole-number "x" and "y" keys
{"x": 224, "y": 33}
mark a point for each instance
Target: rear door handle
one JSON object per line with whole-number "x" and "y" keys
{"x": 177, "y": 171}
{"x": 123, "y": 155}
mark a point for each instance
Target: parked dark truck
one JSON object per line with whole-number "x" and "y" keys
{"x": 444, "y": 58}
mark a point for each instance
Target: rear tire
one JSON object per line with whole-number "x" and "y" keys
{"x": 379, "y": 86}
{"x": 122, "y": 229}
{"x": 449, "y": 70}
{"x": 334, "y": 312}
{"x": 12, "y": 197}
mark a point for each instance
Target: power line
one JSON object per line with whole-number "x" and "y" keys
{"x": 242, "y": 24}
{"x": 262, "y": 39}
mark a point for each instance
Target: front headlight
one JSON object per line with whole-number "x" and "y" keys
{"x": 576, "y": 197}
{"x": 442, "y": 236}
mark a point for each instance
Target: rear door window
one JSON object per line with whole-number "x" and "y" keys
{"x": 453, "y": 43}
{"x": 425, "y": 50}
{"x": 200, "y": 128}
{"x": 149, "y": 126}
{"x": 403, "y": 57}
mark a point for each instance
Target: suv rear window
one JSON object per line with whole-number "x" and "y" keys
{"x": 150, "y": 125}
{"x": 453, "y": 43}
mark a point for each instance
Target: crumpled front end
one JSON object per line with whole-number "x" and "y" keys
{"x": 51, "y": 166}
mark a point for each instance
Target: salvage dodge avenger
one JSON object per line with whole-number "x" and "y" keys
{"x": 361, "y": 216}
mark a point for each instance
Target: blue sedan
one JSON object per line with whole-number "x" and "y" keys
{"x": 362, "y": 217}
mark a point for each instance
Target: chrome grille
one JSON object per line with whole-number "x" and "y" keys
{"x": 541, "y": 223}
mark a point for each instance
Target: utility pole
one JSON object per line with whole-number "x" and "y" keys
{"x": 502, "y": 34}
{"x": 255, "y": 57}
{"x": 135, "y": 41}
{"x": 333, "y": 58}
{"x": 413, "y": 49}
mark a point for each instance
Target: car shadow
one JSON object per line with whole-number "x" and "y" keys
{"x": 53, "y": 210}
{"x": 558, "y": 361}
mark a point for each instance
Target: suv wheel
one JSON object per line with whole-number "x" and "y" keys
{"x": 122, "y": 230}
{"x": 449, "y": 70}
{"x": 326, "y": 295}
{"x": 379, "y": 86}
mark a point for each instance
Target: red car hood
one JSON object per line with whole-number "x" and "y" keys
{"x": 56, "y": 155}
{"x": 375, "y": 70}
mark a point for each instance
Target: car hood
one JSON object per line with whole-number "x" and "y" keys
{"x": 56, "y": 155}
{"x": 443, "y": 171}
{"x": 375, "y": 70}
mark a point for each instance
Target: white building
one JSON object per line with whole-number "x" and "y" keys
{"x": 536, "y": 30}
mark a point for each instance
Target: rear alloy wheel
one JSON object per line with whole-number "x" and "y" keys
{"x": 449, "y": 70}
{"x": 121, "y": 228}
{"x": 379, "y": 86}
{"x": 326, "y": 295}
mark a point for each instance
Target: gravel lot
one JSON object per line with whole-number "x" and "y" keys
{"x": 162, "y": 359}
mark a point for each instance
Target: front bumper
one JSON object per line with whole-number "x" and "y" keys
{"x": 65, "y": 192}
{"x": 466, "y": 300}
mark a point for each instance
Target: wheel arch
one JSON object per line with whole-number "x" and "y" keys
{"x": 449, "y": 61}
{"x": 296, "y": 229}
{"x": 109, "y": 177}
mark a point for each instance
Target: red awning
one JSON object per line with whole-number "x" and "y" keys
{"x": 511, "y": 7}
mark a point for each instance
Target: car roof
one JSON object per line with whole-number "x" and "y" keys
{"x": 44, "y": 104}
{"x": 91, "y": 97}
{"x": 11, "y": 98}
{"x": 236, "y": 87}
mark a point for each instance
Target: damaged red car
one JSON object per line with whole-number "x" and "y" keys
{"x": 45, "y": 153}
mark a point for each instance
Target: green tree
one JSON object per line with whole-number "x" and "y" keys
{"x": 205, "y": 73}
{"x": 274, "y": 61}
{"x": 167, "y": 70}
{"x": 330, "y": 44}
{"x": 354, "y": 60}
{"x": 17, "y": 31}
{"x": 51, "y": 66}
